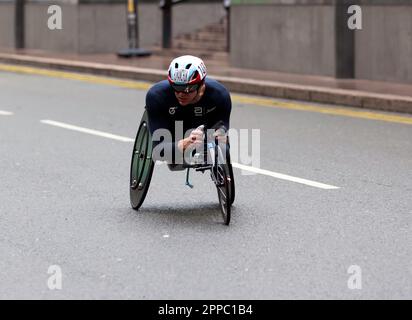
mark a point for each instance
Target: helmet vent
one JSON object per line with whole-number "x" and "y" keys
{"x": 188, "y": 66}
{"x": 194, "y": 75}
{"x": 176, "y": 65}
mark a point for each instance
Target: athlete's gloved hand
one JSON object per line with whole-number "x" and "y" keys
{"x": 197, "y": 136}
{"x": 195, "y": 139}
{"x": 221, "y": 135}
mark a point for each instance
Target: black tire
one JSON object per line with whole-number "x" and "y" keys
{"x": 223, "y": 186}
{"x": 232, "y": 178}
{"x": 141, "y": 168}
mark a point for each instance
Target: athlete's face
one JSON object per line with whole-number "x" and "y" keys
{"x": 190, "y": 97}
{"x": 186, "y": 98}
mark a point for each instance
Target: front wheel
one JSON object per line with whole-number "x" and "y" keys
{"x": 232, "y": 178}
{"x": 223, "y": 191}
{"x": 142, "y": 165}
{"x": 223, "y": 184}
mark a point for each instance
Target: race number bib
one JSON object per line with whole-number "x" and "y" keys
{"x": 181, "y": 75}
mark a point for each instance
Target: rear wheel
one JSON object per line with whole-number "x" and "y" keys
{"x": 142, "y": 165}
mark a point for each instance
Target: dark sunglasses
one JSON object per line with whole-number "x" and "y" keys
{"x": 185, "y": 88}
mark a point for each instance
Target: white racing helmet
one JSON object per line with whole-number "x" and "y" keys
{"x": 186, "y": 73}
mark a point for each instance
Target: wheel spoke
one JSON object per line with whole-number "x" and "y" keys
{"x": 137, "y": 152}
{"x": 142, "y": 152}
{"x": 222, "y": 193}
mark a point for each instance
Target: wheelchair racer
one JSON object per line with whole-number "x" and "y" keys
{"x": 187, "y": 96}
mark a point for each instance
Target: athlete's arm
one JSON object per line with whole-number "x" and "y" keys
{"x": 220, "y": 119}
{"x": 158, "y": 119}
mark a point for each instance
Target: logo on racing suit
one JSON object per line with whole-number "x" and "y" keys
{"x": 211, "y": 109}
{"x": 172, "y": 110}
{"x": 198, "y": 111}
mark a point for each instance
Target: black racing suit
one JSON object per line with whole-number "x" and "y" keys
{"x": 165, "y": 112}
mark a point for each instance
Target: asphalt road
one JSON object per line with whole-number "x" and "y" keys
{"x": 64, "y": 201}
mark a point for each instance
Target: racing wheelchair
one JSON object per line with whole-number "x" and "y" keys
{"x": 215, "y": 158}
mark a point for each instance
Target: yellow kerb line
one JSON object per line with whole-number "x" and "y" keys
{"x": 264, "y": 102}
{"x": 76, "y": 76}
{"x": 326, "y": 110}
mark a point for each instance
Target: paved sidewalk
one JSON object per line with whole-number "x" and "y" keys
{"x": 356, "y": 93}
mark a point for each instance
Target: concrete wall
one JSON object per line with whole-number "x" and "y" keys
{"x": 100, "y": 27}
{"x": 39, "y": 36}
{"x": 6, "y": 24}
{"x": 150, "y": 25}
{"x": 384, "y": 45}
{"x": 299, "y": 36}
{"x": 297, "y": 39}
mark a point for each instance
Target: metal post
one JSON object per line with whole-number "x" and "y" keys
{"x": 19, "y": 24}
{"x": 133, "y": 33}
{"x": 226, "y": 4}
{"x": 344, "y": 42}
{"x": 167, "y": 24}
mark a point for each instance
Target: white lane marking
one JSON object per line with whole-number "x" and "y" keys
{"x": 5, "y": 113}
{"x": 85, "y": 130}
{"x": 235, "y": 165}
{"x": 285, "y": 177}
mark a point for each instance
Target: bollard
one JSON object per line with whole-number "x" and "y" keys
{"x": 133, "y": 33}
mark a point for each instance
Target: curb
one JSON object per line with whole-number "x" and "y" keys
{"x": 351, "y": 98}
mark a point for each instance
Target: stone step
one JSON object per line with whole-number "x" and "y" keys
{"x": 213, "y": 46}
{"x": 215, "y": 28}
{"x": 217, "y": 56}
{"x": 211, "y": 38}
{"x": 201, "y": 43}
{"x": 203, "y": 35}
{"x": 203, "y": 49}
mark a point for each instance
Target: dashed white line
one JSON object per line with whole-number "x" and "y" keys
{"x": 285, "y": 177}
{"x": 5, "y": 113}
{"x": 85, "y": 130}
{"x": 235, "y": 165}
